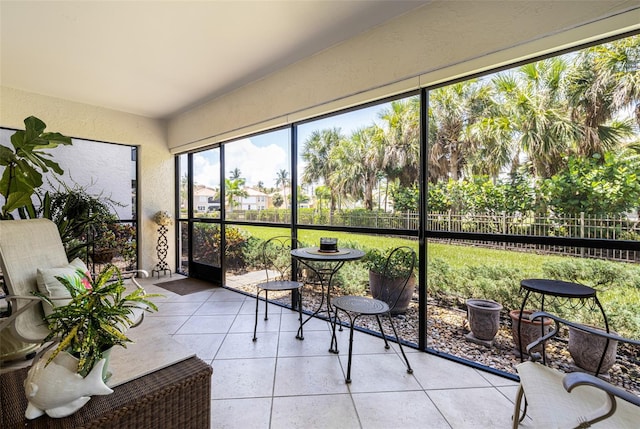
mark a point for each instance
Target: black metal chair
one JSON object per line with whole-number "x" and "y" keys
{"x": 277, "y": 262}
{"x": 390, "y": 292}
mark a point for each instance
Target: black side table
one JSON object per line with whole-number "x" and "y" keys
{"x": 557, "y": 289}
{"x": 310, "y": 255}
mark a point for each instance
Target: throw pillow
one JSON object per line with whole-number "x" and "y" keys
{"x": 50, "y": 286}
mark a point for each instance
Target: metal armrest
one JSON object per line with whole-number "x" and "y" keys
{"x": 132, "y": 275}
{"x": 34, "y": 300}
{"x": 536, "y": 356}
{"x": 6, "y": 321}
{"x": 608, "y": 408}
{"x": 560, "y": 320}
{"x": 575, "y": 379}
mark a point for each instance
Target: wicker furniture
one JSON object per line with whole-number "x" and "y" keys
{"x": 178, "y": 396}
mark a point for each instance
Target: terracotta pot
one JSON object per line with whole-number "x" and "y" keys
{"x": 586, "y": 350}
{"x": 484, "y": 318}
{"x": 388, "y": 290}
{"x": 530, "y": 331}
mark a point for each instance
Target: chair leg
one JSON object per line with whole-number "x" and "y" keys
{"x": 255, "y": 325}
{"x": 517, "y": 419}
{"x": 351, "y": 323}
{"x": 384, "y": 337}
{"x": 333, "y": 347}
{"x": 266, "y": 305}
{"x": 409, "y": 369}
{"x": 300, "y": 335}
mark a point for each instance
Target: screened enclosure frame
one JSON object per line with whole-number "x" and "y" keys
{"x": 422, "y": 234}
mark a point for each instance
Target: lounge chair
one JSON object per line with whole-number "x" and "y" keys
{"x": 554, "y": 399}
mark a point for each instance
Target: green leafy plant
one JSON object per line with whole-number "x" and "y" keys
{"x": 375, "y": 261}
{"x": 82, "y": 218}
{"x": 25, "y": 165}
{"x": 97, "y": 316}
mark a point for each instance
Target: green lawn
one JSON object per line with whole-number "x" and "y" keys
{"x": 495, "y": 273}
{"x": 456, "y": 256}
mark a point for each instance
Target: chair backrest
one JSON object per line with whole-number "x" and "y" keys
{"x": 398, "y": 270}
{"x": 25, "y": 246}
{"x": 276, "y": 257}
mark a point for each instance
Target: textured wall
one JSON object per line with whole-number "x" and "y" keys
{"x": 439, "y": 40}
{"x": 156, "y": 182}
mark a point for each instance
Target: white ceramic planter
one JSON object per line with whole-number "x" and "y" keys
{"x": 57, "y": 389}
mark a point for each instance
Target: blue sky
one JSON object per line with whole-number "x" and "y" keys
{"x": 260, "y": 157}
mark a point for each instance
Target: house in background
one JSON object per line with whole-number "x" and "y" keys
{"x": 255, "y": 200}
{"x": 206, "y": 199}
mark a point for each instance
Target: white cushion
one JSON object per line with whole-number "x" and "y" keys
{"x": 51, "y": 287}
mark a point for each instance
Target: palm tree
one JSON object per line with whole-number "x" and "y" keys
{"x": 282, "y": 179}
{"x": 604, "y": 81}
{"x": 234, "y": 188}
{"x": 454, "y": 111}
{"x": 322, "y": 193}
{"x": 536, "y": 107}
{"x": 358, "y": 161}
{"x": 235, "y": 174}
{"x": 402, "y": 154}
{"x": 316, "y": 154}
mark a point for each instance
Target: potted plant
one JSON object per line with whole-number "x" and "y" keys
{"x": 484, "y": 319}
{"x": 391, "y": 272}
{"x": 96, "y": 318}
{"x": 25, "y": 165}
{"x": 530, "y": 330}
{"x": 591, "y": 352}
{"x": 112, "y": 238}
{"x": 104, "y": 247}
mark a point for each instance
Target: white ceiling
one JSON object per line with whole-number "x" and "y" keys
{"x": 158, "y": 58}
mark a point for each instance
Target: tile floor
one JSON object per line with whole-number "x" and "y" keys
{"x": 281, "y": 382}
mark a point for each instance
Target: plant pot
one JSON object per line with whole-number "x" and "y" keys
{"x": 390, "y": 290}
{"x": 103, "y": 256}
{"x": 530, "y": 331}
{"x": 484, "y": 318}
{"x": 586, "y": 350}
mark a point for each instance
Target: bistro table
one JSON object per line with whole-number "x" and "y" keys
{"x": 331, "y": 263}
{"x": 556, "y": 289}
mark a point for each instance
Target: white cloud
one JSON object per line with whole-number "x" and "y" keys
{"x": 206, "y": 169}
{"x": 256, "y": 163}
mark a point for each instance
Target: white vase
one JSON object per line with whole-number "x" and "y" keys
{"x": 57, "y": 389}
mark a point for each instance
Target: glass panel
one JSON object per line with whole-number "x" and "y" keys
{"x": 361, "y": 168}
{"x": 258, "y": 178}
{"x": 243, "y": 254}
{"x": 183, "y": 247}
{"x": 206, "y": 243}
{"x": 183, "y": 186}
{"x": 540, "y": 150}
{"x": 98, "y": 179}
{"x": 206, "y": 184}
